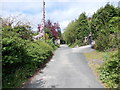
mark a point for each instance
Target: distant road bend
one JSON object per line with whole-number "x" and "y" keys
{"x": 67, "y": 69}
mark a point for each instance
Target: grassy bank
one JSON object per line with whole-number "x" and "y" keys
{"x": 105, "y": 65}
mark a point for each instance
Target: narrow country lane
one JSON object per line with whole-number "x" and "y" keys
{"x": 67, "y": 69}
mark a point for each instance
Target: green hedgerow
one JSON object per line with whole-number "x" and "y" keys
{"x": 110, "y": 70}
{"x": 21, "y": 58}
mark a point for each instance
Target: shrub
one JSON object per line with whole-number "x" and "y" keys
{"x": 14, "y": 56}
{"x": 110, "y": 70}
{"x": 24, "y": 32}
{"x": 39, "y": 51}
{"x": 21, "y": 58}
{"x": 102, "y": 42}
{"x": 13, "y": 50}
{"x": 106, "y": 41}
{"x": 51, "y": 43}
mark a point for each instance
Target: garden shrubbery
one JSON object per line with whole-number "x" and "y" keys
{"x": 51, "y": 43}
{"x": 21, "y": 56}
{"x": 108, "y": 40}
{"x": 110, "y": 70}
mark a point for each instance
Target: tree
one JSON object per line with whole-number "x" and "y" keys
{"x": 82, "y": 27}
{"x": 13, "y": 24}
{"x": 104, "y": 27}
{"x": 52, "y": 30}
{"x": 101, "y": 18}
{"x": 14, "y": 21}
{"x": 70, "y": 33}
{"x": 77, "y": 30}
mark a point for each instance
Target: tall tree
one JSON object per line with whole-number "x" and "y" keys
{"x": 82, "y": 27}
{"x": 70, "y": 33}
{"x": 101, "y": 18}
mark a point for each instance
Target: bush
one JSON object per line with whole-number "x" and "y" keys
{"x": 110, "y": 70}
{"x": 51, "y": 43}
{"x": 106, "y": 41}
{"x": 39, "y": 51}
{"x": 13, "y": 50}
{"x": 102, "y": 42}
{"x": 114, "y": 41}
{"x": 21, "y": 31}
{"x": 24, "y": 32}
{"x": 77, "y": 43}
{"x": 21, "y": 58}
{"x": 13, "y": 56}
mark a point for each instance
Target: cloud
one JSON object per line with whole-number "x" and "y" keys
{"x": 62, "y": 11}
{"x": 59, "y": 0}
{"x": 64, "y": 24}
{"x": 72, "y": 12}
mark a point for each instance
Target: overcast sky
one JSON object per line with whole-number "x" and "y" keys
{"x": 62, "y": 11}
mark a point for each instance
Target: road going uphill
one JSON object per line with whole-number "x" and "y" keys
{"x": 67, "y": 69}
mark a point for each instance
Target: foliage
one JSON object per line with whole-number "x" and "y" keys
{"x": 21, "y": 57}
{"x": 105, "y": 28}
{"x": 77, "y": 43}
{"x": 83, "y": 28}
{"x": 77, "y": 30}
{"x": 23, "y": 32}
{"x": 110, "y": 70}
{"x": 52, "y": 30}
{"x": 69, "y": 34}
{"x": 38, "y": 51}
{"x": 106, "y": 23}
{"x": 48, "y": 32}
{"x": 113, "y": 24}
{"x": 101, "y": 18}
{"x": 51, "y": 43}
{"x": 13, "y": 48}
{"x": 102, "y": 42}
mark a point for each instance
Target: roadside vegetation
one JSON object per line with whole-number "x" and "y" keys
{"x": 105, "y": 65}
{"x": 21, "y": 55}
{"x": 104, "y": 26}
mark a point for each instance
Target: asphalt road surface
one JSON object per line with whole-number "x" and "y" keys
{"x": 67, "y": 69}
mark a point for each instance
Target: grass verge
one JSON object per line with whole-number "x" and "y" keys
{"x": 105, "y": 66}
{"x": 95, "y": 60}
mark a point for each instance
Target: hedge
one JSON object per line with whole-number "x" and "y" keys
{"x": 21, "y": 58}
